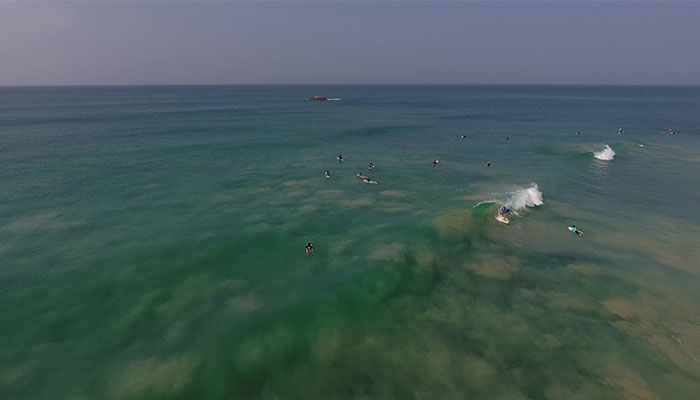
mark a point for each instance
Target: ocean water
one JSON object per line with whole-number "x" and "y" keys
{"x": 152, "y": 243}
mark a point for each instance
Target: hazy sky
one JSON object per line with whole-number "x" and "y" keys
{"x": 340, "y": 42}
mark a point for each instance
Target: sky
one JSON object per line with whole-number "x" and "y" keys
{"x": 331, "y": 42}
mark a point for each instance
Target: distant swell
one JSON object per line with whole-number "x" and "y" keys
{"x": 606, "y": 154}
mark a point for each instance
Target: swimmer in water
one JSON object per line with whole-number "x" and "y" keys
{"x": 463, "y": 136}
{"x": 488, "y": 163}
{"x": 436, "y": 162}
{"x": 370, "y": 166}
{"x": 507, "y": 137}
{"x": 578, "y": 133}
{"x": 619, "y": 131}
{"x": 340, "y": 158}
{"x": 328, "y": 173}
{"x": 309, "y": 249}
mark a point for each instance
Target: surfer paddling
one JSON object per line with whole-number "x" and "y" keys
{"x": 575, "y": 230}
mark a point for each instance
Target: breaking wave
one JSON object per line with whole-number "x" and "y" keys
{"x": 517, "y": 200}
{"x": 606, "y": 154}
{"x": 523, "y": 198}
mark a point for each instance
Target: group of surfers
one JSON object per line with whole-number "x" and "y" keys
{"x": 503, "y": 213}
{"x": 360, "y": 175}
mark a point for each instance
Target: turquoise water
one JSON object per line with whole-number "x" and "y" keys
{"x": 152, "y": 243}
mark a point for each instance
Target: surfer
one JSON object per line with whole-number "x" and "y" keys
{"x": 436, "y": 162}
{"x": 370, "y": 181}
{"x": 578, "y": 133}
{"x": 488, "y": 163}
{"x": 504, "y": 213}
{"x": 340, "y": 158}
{"x": 361, "y": 176}
{"x": 619, "y": 131}
{"x": 309, "y": 249}
{"x": 328, "y": 173}
{"x": 507, "y": 137}
{"x": 575, "y": 230}
{"x": 370, "y": 166}
{"x": 463, "y": 136}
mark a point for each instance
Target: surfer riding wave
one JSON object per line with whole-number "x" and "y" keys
{"x": 512, "y": 202}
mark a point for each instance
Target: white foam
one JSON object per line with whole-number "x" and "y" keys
{"x": 334, "y": 99}
{"x": 522, "y": 198}
{"x": 518, "y": 200}
{"x": 606, "y": 154}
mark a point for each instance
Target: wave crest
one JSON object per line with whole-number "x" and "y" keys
{"x": 606, "y": 154}
{"x": 517, "y": 200}
{"x": 523, "y": 198}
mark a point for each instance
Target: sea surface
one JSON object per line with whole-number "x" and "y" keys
{"x": 152, "y": 242}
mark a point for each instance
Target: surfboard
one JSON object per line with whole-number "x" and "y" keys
{"x": 499, "y": 218}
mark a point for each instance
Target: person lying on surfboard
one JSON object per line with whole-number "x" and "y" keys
{"x": 362, "y": 176}
{"x": 575, "y": 230}
{"x": 309, "y": 249}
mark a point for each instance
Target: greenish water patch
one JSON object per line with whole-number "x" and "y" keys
{"x": 153, "y": 244}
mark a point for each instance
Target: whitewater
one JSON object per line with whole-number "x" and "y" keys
{"x": 606, "y": 154}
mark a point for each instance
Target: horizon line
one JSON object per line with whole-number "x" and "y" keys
{"x": 344, "y": 84}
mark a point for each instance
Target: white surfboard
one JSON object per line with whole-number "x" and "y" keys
{"x": 500, "y": 218}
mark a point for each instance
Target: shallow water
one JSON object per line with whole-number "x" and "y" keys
{"x": 152, "y": 243}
